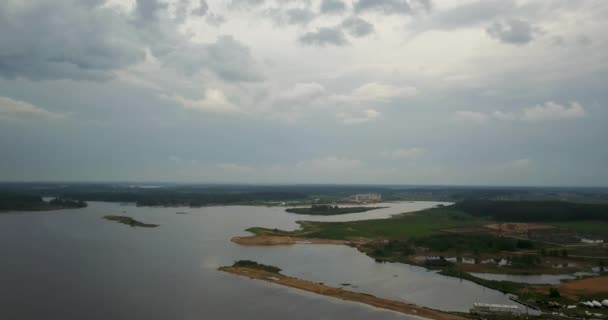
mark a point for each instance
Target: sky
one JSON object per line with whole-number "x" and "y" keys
{"x": 487, "y": 92}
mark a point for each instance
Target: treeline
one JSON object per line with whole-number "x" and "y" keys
{"x": 25, "y": 202}
{"x": 174, "y": 198}
{"x": 479, "y": 243}
{"x": 327, "y": 210}
{"x": 534, "y": 211}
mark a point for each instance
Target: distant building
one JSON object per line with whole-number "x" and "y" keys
{"x": 592, "y": 241}
{"x": 366, "y": 197}
{"x": 494, "y": 309}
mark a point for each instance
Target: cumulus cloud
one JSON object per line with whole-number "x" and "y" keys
{"x": 64, "y": 39}
{"x": 323, "y": 37}
{"x": 332, "y": 7}
{"x": 473, "y": 13}
{"x": 375, "y": 92}
{"x": 554, "y": 111}
{"x": 391, "y": 6}
{"x": 513, "y": 31}
{"x": 302, "y": 93}
{"x": 357, "y": 27}
{"x": 471, "y": 117}
{"x": 214, "y": 100}
{"x": 354, "y": 118}
{"x": 85, "y": 40}
{"x": 548, "y": 111}
{"x": 202, "y": 8}
{"x": 15, "y": 109}
{"x": 245, "y": 4}
{"x": 404, "y": 153}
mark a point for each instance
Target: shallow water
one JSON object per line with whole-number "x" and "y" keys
{"x": 72, "y": 264}
{"x": 530, "y": 279}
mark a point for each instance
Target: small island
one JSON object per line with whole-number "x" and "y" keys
{"x": 329, "y": 210}
{"x": 129, "y": 221}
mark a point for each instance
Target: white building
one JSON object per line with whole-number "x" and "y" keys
{"x": 592, "y": 241}
{"x": 366, "y": 197}
{"x": 489, "y": 308}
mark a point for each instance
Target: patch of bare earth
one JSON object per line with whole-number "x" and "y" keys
{"x": 518, "y": 227}
{"x": 466, "y": 230}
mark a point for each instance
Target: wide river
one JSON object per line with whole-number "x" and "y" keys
{"x": 72, "y": 264}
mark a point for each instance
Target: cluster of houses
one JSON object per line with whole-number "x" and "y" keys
{"x": 365, "y": 197}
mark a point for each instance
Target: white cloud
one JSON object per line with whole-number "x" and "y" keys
{"x": 554, "y": 111}
{"x": 213, "y": 101}
{"x": 501, "y": 115}
{"x": 302, "y": 92}
{"x": 12, "y": 109}
{"x": 471, "y": 117}
{"x": 402, "y": 153}
{"x": 359, "y": 118}
{"x": 548, "y": 111}
{"x": 374, "y": 92}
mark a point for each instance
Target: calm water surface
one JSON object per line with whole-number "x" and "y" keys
{"x": 72, "y": 264}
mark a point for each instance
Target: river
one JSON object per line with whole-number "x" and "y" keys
{"x": 72, "y": 264}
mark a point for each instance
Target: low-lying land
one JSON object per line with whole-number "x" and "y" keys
{"x": 460, "y": 239}
{"x": 129, "y": 221}
{"x": 329, "y": 210}
{"x": 284, "y": 240}
{"x": 269, "y": 273}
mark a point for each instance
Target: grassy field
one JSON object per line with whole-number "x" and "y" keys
{"x": 407, "y": 226}
{"x": 585, "y": 227}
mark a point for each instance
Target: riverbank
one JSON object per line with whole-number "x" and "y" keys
{"x": 318, "y": 288}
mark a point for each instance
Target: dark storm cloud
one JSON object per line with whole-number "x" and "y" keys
{"x": 298, "y": 16}
{"x": 323, "y": 37}
{"x": 357, "y": 27}
{"x": 384, "y": 6}
{"x": 475, "y": 12}
{"x": 245, "y": 4}
{"x": 65, "y": 39}
{"x": 391, "y": 6}
{"x": 147, "y": 10}
{"x": 513, "y": 31}
{"x": 332, "y": 7}
{"x": 202, "y": 8}
{"x": 231, "y": 60}
{"x": 82, "y": 40}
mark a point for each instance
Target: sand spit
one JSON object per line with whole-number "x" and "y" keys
{"x": 319, "y": 288}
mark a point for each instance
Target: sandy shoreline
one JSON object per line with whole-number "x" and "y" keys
{"x": 318, "y": 288}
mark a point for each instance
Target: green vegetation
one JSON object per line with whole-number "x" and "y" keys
{"x": 534, "y": 211}
{"x": 406, "y": 226}
{"x": 585, "y": 227}
{"x": 328, "y": 210}
{"x": 478, "y": 243}
{"x": 554, "y": 293}
{"x": 24, "y": 202}
{"x": 254, "y": 265}
{"x": 129, "y": 221}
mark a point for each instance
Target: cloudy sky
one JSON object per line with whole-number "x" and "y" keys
{"x": 322, "y": 91}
